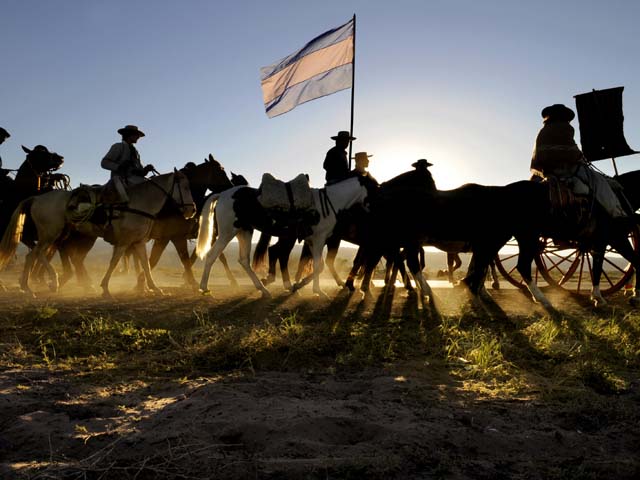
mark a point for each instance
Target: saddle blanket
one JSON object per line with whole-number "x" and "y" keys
{"x": 293, "y": 195}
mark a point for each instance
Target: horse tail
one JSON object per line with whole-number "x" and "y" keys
{"x": 260, "y": 252}
{"x": 206, "y": 230}
{"x": 13, "y": 232}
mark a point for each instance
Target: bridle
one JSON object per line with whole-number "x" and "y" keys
{"x": 169, "y": 194}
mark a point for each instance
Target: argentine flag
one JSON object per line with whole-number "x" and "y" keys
{"x": 322, "y": 67}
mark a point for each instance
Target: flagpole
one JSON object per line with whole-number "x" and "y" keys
{"x": 353, "y": 85}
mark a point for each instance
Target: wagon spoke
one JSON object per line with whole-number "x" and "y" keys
{"x": 614, "y": 265}
{"x": 607, "y": 277}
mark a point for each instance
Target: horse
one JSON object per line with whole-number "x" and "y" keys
{"x": 348, "y": 229}
{"x": 229, "y": 212}
{"x": 131, "y": 226}
{"x": 601, "y": 230}
{"x": 170, "y": 227}
{"x": 412, "y": 217}
{"x": 29, "y": 180}
{"x": 488, "y": 218}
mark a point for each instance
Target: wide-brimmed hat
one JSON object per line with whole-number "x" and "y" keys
{"x": 423, "y": 162}
{"x": 128, "y": 129}
{"x": 558, "y": 112}
{"x": 4, "y": 133}
{"x": 343, "y": 134}
{"x": 361, "y": 156}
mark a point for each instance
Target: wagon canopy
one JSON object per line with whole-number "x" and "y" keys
{"x": 601, "y": 124}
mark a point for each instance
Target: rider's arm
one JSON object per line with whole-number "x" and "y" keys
{"x": 113, "y": 159}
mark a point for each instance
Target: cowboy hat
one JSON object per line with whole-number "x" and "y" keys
{"x": 361, "y": 156}
{"x": 558, "y": 112}
{"x": 343, "y": 134}
{"x": 128, "y": 129}
{"x": 423, "y": 162}
{"x": 4, "y": 133}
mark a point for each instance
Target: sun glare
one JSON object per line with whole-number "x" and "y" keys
{"x": 388, "y": 162}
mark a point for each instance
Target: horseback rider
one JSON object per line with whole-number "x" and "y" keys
{"x": 3, "y": 136}
{"x": 336, "y": 163}
{"x": 362, "y": 163}
{"x": 5, "y": 181}
{"x": 556, "y": 153}
{"x": 123, "y": 160}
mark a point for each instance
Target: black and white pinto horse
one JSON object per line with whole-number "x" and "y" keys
{"x": 228, "y": 223}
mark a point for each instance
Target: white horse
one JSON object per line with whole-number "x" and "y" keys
{"x": 131, "y": 225}
{"x": 328, "y": 202}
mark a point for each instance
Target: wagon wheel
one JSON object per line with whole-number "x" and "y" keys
{"x": 506, "y": 262}
{"x": 570, "y": 268}
{"x": 567, "y": 267}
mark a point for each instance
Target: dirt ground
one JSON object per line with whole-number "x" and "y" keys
{"x": 413, "y": 417}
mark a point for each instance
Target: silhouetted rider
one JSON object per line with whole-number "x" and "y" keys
{"x": 336, "y": 163}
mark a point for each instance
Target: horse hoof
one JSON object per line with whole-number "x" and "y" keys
{"x": 107, "y": 296}
{"x": 205, "y": 292}
{"x": 495, "y": 285}
{"x": 295, "y": 287}
{"x": 349, "y": 286}
{"x": 287, "y": 286}
{"x": 266, "y": 294}
{"x": 320, "y": 294}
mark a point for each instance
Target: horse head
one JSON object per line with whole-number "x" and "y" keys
{"x": 238, "y": 180}
{"x": 181, "y": 195}
{"x": 41, "y": 160}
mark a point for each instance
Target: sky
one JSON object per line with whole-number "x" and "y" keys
{"x": 459, "y": 82}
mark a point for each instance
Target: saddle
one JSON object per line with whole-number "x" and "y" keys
{"x": 293, "y": 195}
{"x": 570, "y": 202}
{"x": 92, "y": 204}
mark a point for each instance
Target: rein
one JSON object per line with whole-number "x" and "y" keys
{"x": 169, "y": 194}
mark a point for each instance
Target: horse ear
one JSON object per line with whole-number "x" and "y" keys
{"x": 25, "y": 149}
{"x": 205, "y": 160}
{"x": 211, "y": 159}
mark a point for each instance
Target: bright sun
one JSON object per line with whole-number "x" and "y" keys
{"x": 447, "y": 172}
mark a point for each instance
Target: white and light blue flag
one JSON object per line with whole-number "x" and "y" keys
{"x": 322, "y": 67}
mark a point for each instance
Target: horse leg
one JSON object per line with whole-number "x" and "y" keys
{"x": 305, "y": 258}
{"x": 333, "y": 243}
{"x": 44, "y": 253}
{"x": 495, "y": 280}
{"x": 244, "y": 249}
{"x": 415, "y": 267}
{"x": 358, "y": 262}
{"x": 624, "y": 248}
{"x": 528, "y": 248}
{"x": 26, "y": 271}
{"x": 180, "y": 243}
{"x": 369, "y": 260}
{"x": 283, "y": 258}
{"x": 451, "y": 259}
{"x": 157, "y": 248}
{"x": 272, "y": 255}
{"x": 116, "y": 255}
{"x": 232, "y": 280}
{"x": 140, "y": 250}
{"x": 67, "y": 270}
{"x": 212, "y": 255}
{"x": 404, "y": 275}
{"x": 317, "y": 245}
